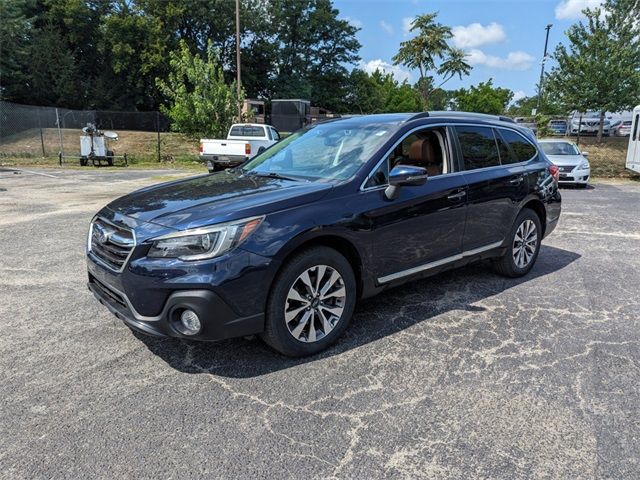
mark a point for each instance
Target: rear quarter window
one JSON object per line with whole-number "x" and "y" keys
{"x": 518, "y": 149}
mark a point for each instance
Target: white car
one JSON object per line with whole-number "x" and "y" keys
{"x": 572, "y": 164}
{"x": 244, "y": 141}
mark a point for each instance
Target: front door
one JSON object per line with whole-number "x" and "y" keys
{"x": 423, "y": 224}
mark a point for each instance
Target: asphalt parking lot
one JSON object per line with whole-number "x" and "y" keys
{"x": 465, "y": 375}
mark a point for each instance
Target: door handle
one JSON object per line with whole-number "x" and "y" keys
{"x": 517, "y": 180}
{"x": 457, "y": 196}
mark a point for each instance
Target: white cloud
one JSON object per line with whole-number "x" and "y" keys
{"x": 386, "y": 27}
{"x": 518, "y": 95}
{"x": 353, "y": 22}
{"x": 572, "y": 9}
{"x": 406, "y": 25}
{"x": 398, "y": 72}
{"x": 475, "y": 35}
{"x": 513, "y": 61}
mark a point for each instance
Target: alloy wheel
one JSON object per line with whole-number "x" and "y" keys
{"x": 525, "y": 243}
{"x": 315, "y": 303}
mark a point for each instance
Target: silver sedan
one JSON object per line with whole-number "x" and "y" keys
{"x": 572, "y": 163}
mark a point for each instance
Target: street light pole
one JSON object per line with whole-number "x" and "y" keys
{"x": 544, "y": 59}
{"x": 238, "y": 84}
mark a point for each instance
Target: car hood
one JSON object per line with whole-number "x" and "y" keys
{"x": 565, "y": 160}
{"x": 215, "y": 198}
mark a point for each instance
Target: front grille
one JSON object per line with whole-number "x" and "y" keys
{"x": 566, "y": 169}
{"x": 111, "y": 244}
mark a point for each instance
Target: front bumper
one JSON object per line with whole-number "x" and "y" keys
{"x": 589, "y": 131}
{"x": 218, "y": 320}
{"x": 576, "y": 176}
{"x": 226, "y": 160}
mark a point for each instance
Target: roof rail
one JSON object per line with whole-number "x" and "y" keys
{"x": 455, "y": 113}
{"x": 417, "y": 116}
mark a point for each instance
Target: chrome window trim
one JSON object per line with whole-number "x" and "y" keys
{"x": 422, "y": 127}
{"x": 96, "y": 259}
{"x": 438, "y": 263}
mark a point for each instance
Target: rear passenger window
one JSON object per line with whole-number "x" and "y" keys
{"x": 478, "y": 145}
{"x": 518, "y": 148}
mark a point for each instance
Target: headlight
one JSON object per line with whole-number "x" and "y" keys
{"x": 206, "y": 242}
{"x": 584, "y": 165}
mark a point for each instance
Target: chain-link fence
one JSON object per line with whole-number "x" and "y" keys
{"x": 31, "y": 132}
{"x": 46, "y": 132}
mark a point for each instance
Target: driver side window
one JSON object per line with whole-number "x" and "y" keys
{"x": 426, "y": 148}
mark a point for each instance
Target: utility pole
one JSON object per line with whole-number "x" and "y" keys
{"x": 544, "y": 59}
{"x": 239, "y": 86}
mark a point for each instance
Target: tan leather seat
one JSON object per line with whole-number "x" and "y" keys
{"x": 426, "y": 153}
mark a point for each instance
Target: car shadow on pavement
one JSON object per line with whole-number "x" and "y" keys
{"x": 386, "y": 314}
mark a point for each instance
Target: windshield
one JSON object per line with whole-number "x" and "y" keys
{"x": 559, "y": 148}
{"x": 325, "y": 152}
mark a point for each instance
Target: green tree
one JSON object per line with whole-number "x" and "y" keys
{"x": 78, "y": 24}
{"x": 201, "y": 102}
{"x": 428, "y": 52}
{"x": 379, "y": 92}
{"x": 313, "y": 48}
{"x": 363, "y": 94}
{"x": 52, "y": 70}
{"x": 525, "y": 105}
{"x": 133, "y": 46}
{"x": 14, "y": 40}
{"x": 600, "y": 68}
{"x": 483, "y": 98}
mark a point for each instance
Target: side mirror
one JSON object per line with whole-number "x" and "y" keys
{"x": 404, "y": 176}
{"x": 585, "y": 154}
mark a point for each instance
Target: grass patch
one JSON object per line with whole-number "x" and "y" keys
{"x": 26, "y": 148}
{"x": 608, "y": 158}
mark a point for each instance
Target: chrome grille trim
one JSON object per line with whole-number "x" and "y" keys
{"x": 115, "y": 251}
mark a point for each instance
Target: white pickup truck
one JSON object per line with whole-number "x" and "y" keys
{"x": 244, "y": 141}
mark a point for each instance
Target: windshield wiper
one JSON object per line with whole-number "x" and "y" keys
{"x": 276, "y": 175}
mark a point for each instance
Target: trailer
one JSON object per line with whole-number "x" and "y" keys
{"x": 289, "y": 115}
{"x": 633, "y": 152}
{"x": 94, "y": 148}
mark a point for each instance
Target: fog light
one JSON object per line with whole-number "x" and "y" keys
{"x": 190, "y": 322}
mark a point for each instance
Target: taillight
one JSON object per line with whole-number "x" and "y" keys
{"x": 247, "y": 149}
{"x": 201, "y": 147}
{"x": 555, "y": 172}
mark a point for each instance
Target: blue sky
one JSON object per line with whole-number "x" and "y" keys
{"x": 504, "y": 39}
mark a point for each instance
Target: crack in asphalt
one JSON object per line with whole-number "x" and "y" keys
{"x": 463, "y": 375}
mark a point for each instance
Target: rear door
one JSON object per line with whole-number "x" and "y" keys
{"x": 494, "y": 190}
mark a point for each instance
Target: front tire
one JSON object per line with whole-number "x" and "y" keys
{"x": 523, "y": 247}
{"x": 311, "y": 302}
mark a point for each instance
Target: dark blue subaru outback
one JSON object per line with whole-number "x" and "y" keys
{"x": 284, "y": 245}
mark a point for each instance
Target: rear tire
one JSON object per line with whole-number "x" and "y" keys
{"x": 316, "y": 289}
{"x": 523, "y": 247}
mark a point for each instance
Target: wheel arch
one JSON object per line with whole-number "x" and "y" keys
{"x": 538, "y": 207}
{"x": 337, "y": 242}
